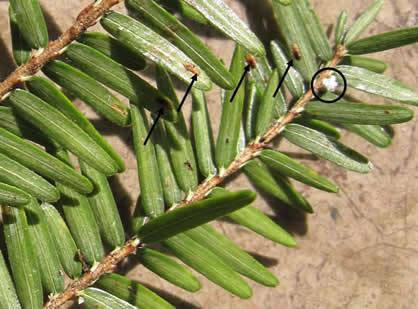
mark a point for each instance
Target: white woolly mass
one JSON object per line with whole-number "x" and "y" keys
{"x": 331, "y": 83}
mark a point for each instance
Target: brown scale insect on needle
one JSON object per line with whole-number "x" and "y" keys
{"x": 191, "y": 68}
{"x": 296, "y": 52}
{"x": 251, "y": 60}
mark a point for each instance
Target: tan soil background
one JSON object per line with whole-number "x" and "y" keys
{"x": 359, "y": 248}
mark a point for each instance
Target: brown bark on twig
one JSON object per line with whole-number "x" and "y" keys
{"x": 108, "y": 265}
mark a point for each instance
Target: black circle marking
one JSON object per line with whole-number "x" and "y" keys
{"x": 339, "y": 73}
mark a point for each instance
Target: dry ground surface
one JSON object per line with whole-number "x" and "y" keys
{"x": 359, "y": 248}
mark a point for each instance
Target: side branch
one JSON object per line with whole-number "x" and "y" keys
{"x": 85, "y": 19}
{"x": 109, "y": 264}
{"x": 252, "y": 149}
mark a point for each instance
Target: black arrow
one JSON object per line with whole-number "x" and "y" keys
{"x": 160, "y": 112}
{"x": 246, "y": 70}
{"x": 289, "y": 64}
{"x": 194, "y": 79}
